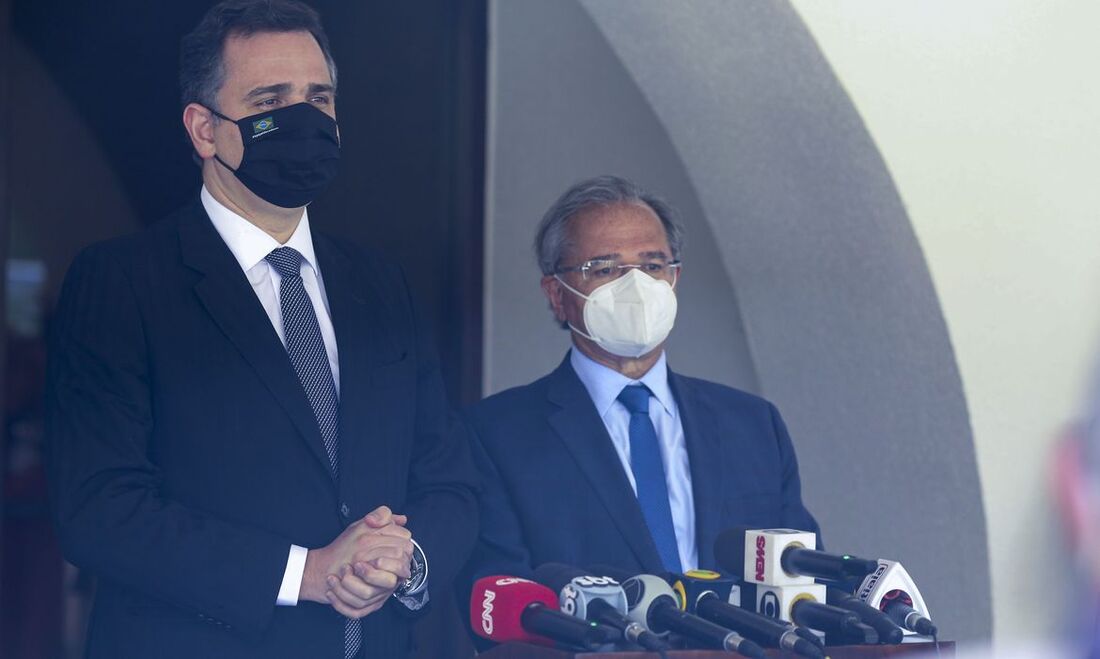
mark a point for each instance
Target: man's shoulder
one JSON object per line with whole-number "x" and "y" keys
{"x": 373, "y": 263}
{"x": 719, "y": 396}
{"x": 147, "y": 244}
{"x": 511, "y": 405}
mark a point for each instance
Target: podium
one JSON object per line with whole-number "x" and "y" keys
{"x": 525, "y": 651}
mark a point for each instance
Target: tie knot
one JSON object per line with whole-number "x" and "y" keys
{"x": 287, "y": 260}
{"x": 635, "y": 398}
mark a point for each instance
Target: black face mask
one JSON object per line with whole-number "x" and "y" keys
{"x": 290, "y": 154}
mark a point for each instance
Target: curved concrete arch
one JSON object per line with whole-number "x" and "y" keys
{"x": 842, "y": 321}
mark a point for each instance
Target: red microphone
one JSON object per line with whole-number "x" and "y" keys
{"x": 504, "y": 609}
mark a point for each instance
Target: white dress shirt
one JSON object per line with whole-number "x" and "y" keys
{"x": 604, "y": 386}
{"x": 249, "y": 245}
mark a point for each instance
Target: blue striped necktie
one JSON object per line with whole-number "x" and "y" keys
{"x": 306, "y": 349}
{"x": 649, "y": 475}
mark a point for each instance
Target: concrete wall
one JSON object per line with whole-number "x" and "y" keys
{"x": 985, "y": 112}
{"x": 806, "y": 282}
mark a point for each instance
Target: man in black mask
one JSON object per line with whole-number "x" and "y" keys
{"x": 239, "y": 407}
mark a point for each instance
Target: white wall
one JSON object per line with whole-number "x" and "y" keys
{"x": 988, "y": 116}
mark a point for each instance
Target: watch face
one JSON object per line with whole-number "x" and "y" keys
{"x": 418, "y": 568}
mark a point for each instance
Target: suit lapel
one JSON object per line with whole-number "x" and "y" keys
{"x": 706, "y": 461}
{"x": 228, "y": 297}
{"x": 362, "y": 340}
{"x": 580, "y": 428}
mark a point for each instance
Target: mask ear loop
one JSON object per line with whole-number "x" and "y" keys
{"x": 216, "y": 157}
{"x": 583, "y": 297}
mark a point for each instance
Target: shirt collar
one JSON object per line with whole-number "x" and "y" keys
{"x": 605, "y": 384}
{"x": 248, "y": 242}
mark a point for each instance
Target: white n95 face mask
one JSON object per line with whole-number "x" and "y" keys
{"x": 630, "y": 316}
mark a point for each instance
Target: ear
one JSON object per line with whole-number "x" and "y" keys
{"x": 553, "y": 291}
{"x": 199, "y": 123}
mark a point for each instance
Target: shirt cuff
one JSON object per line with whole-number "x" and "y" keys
{"x": 292, "y": 577}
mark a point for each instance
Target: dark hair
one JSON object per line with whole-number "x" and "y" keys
{"x": 202, "y": 52}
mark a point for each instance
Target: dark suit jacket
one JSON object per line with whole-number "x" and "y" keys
{"x": 185, "y": 458}
{"x": 555, "y": 490}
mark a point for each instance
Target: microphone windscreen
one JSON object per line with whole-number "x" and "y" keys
{"x": 729, "y": 550}
{"x": 497, "y": 604}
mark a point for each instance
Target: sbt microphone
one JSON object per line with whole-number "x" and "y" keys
{"x": 598, "y": 599}
{"x": 888, "y": 632}
{"x": 781, "y": 557}
{"x": 707, "y": 595}
{"x": 504, "y": 608}
{"x": 653, "y": 604}
{"x": 890, "y": 583}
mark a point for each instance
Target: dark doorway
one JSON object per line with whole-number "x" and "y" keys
{"x": 93, "y": 146}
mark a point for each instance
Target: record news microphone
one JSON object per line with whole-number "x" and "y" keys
{"x": 652, "y": 603}
{"x": 891, "y": 583}
{"x": 598, "y": 599}
{"x": 504, "y": 608}
{"x": 888, "y": 632}
{"x": 706, "y": 594}
{"x": 779, "y": 556}
{"x": 909, "y": 618}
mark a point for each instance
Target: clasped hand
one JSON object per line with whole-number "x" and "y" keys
{"x": 361, "y": 568}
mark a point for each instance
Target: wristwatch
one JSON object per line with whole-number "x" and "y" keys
{"x": 418, "y": 580}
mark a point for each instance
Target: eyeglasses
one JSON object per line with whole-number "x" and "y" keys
{"x": 605, "y": 270}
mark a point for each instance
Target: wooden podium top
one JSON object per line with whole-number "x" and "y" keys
{"x": 525, "y": 651}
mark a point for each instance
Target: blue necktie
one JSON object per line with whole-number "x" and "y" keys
{"x": 307, "y": 353}
{"x": 649, "y": 475}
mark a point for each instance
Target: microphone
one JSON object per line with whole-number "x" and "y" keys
{"x": 909, "y": 618}
{"x": 652, "y": 603}
{"x": 891, "y": 583}
{"x": 706, "y": 597}
{"x": 834, "y": 621}
{"x": 781, "y": 556}
{"x": 504, "y": 608}
{"x": 888, "y": 632}
{"x": 597, "y": 599}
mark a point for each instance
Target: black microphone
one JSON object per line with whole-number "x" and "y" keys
{"x": 908, "y": 617}
{"x": 834, "y": 621}
{"x": 706, "y": 597}
{"x": 652, "y": 603}
{"x": 888, "y": 632}
{"x": 597, "y": 599}
{"x": 729, "y": 552}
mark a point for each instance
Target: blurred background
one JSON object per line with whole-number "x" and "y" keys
{"x": 892, "y": 221}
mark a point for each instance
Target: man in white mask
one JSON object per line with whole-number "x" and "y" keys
{"x": 614, "y": 459}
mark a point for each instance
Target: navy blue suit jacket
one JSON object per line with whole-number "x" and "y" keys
{"x": 185, "y": 457}
{"x": 555, "y": 490}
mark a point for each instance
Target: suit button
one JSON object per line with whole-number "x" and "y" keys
{"x": 345, "y": 511}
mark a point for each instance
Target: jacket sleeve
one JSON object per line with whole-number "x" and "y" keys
{"x": 112, "y": 514}
{"x": 795, "y": 514}
{"x": 442, "y": 484}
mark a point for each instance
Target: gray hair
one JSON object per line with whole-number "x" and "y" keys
{"x": 552, "y": 239}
